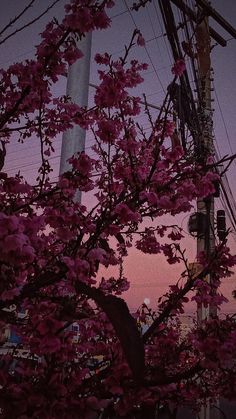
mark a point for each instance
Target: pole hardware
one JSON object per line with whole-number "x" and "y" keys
{"x": 197, "y": 224}
{"x": 221, "y": 224}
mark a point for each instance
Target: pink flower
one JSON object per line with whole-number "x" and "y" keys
{"x": 10, "y": 294}
{"x": 150, "y": 197}
{"x": 50, "y": 344}
{"x": 175, "y": 235}
{"x": 15, "y": 242}
{"x": 108, "y": 130}
{"x": 126, "y": 214}
{"x": 49, "y": 325}
{"x": 102, "y": 59}
{"x": 149, "y": 244}
{"x": 206, "y": 185}
{"x": 101, "y": 20}
{"x": 97, "y": 254}
{"x": 166, "y": 202}
{"x": 140, "y": 40}
{"x": 178, "y": 68}
{"x": 47, "y": 152}
{"x": 169, "y": 128}
{"x": 72, "y": 54}
{"x": 109, "y": 93}
{"x": 83, "y": 164}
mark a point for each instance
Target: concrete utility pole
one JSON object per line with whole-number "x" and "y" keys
{"x": 73, "y": 140}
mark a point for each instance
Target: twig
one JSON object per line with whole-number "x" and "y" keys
{"x": 16, "y": 17}
{"x": 177, "y": 297}
{"x": 29, "y": 23}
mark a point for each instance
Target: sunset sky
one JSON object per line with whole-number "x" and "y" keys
{"x": 149, "y": 275}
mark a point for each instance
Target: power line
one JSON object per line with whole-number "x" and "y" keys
{"x": 119, "y": 14}
{"x": 147, "y": 52}
{"x": 153, "y": 30}
{"x": 224, "y": 123}
{"x": 164, "y": 35}
{"x": 150, "y": 105}
{"x": 32, "y": 164}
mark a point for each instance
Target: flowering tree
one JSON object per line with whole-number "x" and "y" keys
{"x": 52, "y": 248}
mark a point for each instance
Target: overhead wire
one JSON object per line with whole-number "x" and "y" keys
{"x": 228, "y": 203}
{"x": 147, "y": 52}
{"x": 163, "y": 35}
{"x": 162, "y": 30}
{"x": 223, "y": 120}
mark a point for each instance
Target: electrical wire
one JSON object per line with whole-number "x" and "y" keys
{"x": 162, "y": 30}
{"x": 153, "y": 31}
{"x": 147, "y": 52}
{"x": 224, "y": 123}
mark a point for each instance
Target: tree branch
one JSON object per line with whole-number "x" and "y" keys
{"x": 29, "y": 23}
{"x": 17, "y": 17}
{"x": 171, "y": 305}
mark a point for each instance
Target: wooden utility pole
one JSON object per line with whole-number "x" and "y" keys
{"x": 206, "y": 241}
{"x": 202, "y": 133}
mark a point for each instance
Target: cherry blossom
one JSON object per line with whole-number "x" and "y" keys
{"x": 178, "y": 68}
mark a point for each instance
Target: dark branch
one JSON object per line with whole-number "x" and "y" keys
{"x": 12, "y": 21}
{"x": 29, "y": 23}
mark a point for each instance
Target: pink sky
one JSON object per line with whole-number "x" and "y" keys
{"x": 150, "y": 276}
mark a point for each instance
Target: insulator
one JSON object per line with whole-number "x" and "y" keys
{"x": 221, "y": 224}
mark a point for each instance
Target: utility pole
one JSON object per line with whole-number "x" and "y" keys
{"x": 202, "y": 130}
{"x": 205, "y": 242}
{"x": 73, "y": 140}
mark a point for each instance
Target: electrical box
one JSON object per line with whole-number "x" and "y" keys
{"x": 197, "y": 224}
{"x": 221, "y": 224}
{"x": 216, "y": 184}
